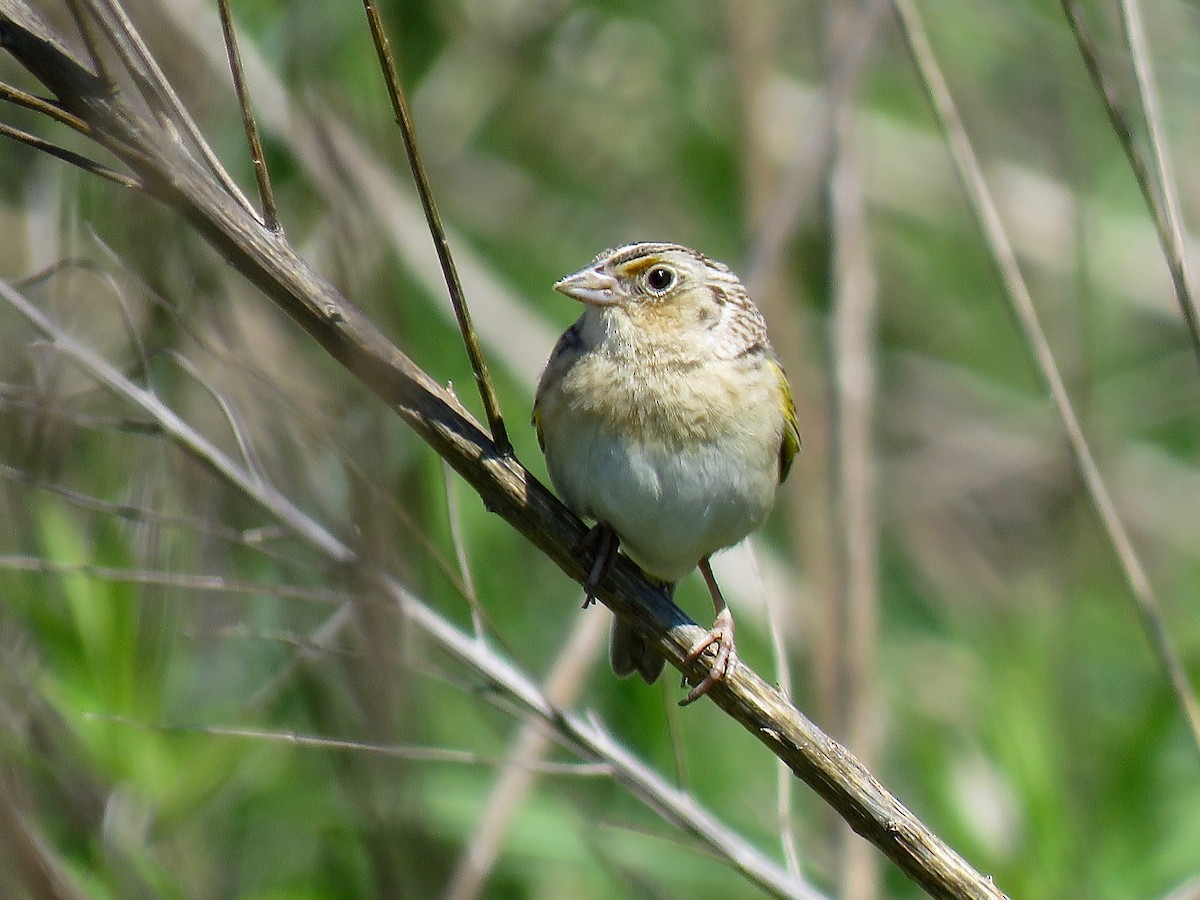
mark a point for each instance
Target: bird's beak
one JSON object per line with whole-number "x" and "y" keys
{"x": 590, "y": 286}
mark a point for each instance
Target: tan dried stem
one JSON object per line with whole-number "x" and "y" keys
{"x": 261, "y": 175}
{"x": 1163, "y": 208}
{"x": 462, "y": 312}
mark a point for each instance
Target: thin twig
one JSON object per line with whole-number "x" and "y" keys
{"x": 460, "y": 550}
{"x": 562, "y": 686}
{"x": 69, "y": 156}
{"x": 220, "y": 584}
{"x": 674, "y": 804}
{"x": 265, "y": 193}
{"x": 1025, "y": 313}
{"x": 146, "y": 72}
{"x": 173, "y": 425}
{"x": 249, "y": 539}
{"x": 395, "y": 751}
{"x": 784, "y": 782}
{"x": 1176, "y": 248}
{"x": 89, "y": 42}
{"x": 1167, "y": 224}
{"x": 19, "y": 97}
{"x": 245, "y": 445}
{"x": 462, "y": 312}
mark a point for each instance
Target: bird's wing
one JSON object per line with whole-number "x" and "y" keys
{"x": 790, "y": 445}
{"x": 536, "y": 420}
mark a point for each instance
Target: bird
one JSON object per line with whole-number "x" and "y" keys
{"x": 666, "y": 419}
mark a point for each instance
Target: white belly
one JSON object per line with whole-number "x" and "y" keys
{"x": 671, "y": 507}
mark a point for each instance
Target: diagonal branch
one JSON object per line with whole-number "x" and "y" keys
{"x": 183, "y": 183}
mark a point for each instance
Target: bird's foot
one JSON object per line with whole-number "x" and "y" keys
{"x": 720, "y": 635}
{"x": 604, "y": 541}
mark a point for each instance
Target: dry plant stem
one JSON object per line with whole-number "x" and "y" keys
{"x": 563, "y": 684}
{"x": 853, "y": 343}
{"x": 784, "y": 782}
{"x": 164, "y": 102}
{"x": 504, "y": 486}
{"x": 28, "y": 860}
{"x": 19, "y": 97}
{"x": 89, "y": 41}
{"x": 460, "y": 551}
{"x": 207, "y": 583}
{"x": 1021, "y": 304}
{"x": 395, "y": 751}
{"x": 674, "y": 805}
{"x": 1175, "y": 247}
{"x": 462, "y": 312}
{"x": 814, "y": 148}
{"x": 68, "y": 156}
{"x": 1168, "y": 229}
{"x": 261, "y": 175}
{"x": 175, "y": 428}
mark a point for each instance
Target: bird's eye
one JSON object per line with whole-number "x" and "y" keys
{"x": 660, "y": 279}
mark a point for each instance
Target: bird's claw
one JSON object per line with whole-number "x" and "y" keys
{"x": 721, "y": 635}
{"x": 603, "y": 540}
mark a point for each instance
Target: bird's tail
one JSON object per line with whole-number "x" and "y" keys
{"x": 629, "y": 651}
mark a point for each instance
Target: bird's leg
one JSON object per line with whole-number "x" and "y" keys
{"x": 605, "y": 542}
{"x": 721, "y": 634}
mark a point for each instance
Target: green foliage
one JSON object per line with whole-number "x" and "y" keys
{"x": 1017, "y": 708}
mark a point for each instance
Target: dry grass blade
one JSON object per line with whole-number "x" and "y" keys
{"x": 89, "y": 41}
{"x": 141, "y": 65}
{"x": 68, "y": 156}
{"x": 261, "y": 175}
{"x": 19, "y": 97}
{"x": 395, "y": 751}
{"x": 1176, "y": 246}
{"x": 31, "y": 868}
{"x": 1145, "y": 602}
{"x": 1163, "y": 207}
{"x": 205, "y": 583}
{"x": 173, "y": 426}
{"x": 516, "y": 777}
{"x": 437, "y": 231}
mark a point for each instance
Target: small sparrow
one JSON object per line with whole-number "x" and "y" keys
{"x": 666, "y": 419}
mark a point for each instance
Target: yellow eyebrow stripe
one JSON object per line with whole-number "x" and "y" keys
{"x": 638, "y": 266}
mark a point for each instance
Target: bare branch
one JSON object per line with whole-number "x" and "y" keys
{"x": 37, "y": 104}
{"x": 261, "y": 175}
{"x": 69, "y": 156}
{"x": 437, "y": 231}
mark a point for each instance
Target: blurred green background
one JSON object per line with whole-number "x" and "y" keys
{"x": 967, "y": 632}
